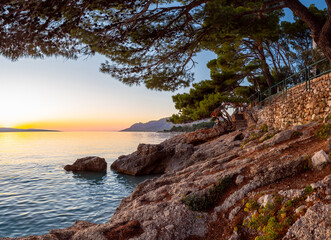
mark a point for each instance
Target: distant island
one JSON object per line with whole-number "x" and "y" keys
{"x": 25, "y": 130}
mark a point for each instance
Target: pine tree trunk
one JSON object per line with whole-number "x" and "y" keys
{"x": 325, "y": 46}
{"x": 321, "y": 32}
{"x": 265, "y": 66}
{"x": 324, "y": 38}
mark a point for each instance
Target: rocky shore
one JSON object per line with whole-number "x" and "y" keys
{"x": 258, "y": 183}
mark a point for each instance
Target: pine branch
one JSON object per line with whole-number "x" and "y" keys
{"x": 305, "y": 15}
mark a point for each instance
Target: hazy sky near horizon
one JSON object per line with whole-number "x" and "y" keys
{"x": 72, "y": 95}
{"x": 56, "y": 93}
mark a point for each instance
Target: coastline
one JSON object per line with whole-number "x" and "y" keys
{"x": 181, "y": 204}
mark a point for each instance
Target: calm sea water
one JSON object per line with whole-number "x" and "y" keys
{"x": 37, "y": 195}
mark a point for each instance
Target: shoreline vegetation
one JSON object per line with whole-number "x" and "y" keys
{"x": 191, "y": 128}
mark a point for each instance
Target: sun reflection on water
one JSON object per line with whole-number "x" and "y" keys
{"x": 36, "y": 192}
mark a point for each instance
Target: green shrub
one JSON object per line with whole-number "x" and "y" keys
{"x": 273, "y": 220}
{"x": 297, "y": 134}
{"x": 264, "y": 128}
{"x": 323, "y": 132}
{"x": 207, "y": 201}
{"x": 252, "y": 137}
{"x": 268, "y": 136}
{"x": 266, "y": 146}
{"x": 192, "y": 128}
{"x": 308, "y": 190}
{"x": 251, "y": 205}
{"x": 306, "y": 163}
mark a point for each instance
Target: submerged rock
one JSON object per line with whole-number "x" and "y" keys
{"x": 88, "y": 164}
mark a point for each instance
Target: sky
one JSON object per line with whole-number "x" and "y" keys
{"x": 72, "y": 95}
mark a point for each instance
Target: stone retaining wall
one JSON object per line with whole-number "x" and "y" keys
{"x": 300, "y": 106}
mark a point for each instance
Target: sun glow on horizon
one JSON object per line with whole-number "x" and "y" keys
{"x": 70, "y": 95}
{"x": 67, "y": 126}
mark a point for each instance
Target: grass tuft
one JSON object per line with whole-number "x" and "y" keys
{"x": 210, "y": 199}
{"x": 323, "y": 132}
{"x": 297, "y": 134}
{"x": 273, "y": 220}
{"x": 264, "y": 128}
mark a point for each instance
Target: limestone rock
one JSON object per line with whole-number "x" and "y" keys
{"x": 204, "y": 135}
{"x": 89, "y": 164}
{"x": 156, "y": 208}
{"x": 319, "y": 159}
{"x": 183, "y": 151}
{"x": 300, "y": 209}
{"x": 176, "y": 153}
{"x": 315, "y": 224}
{"x": 239, "y": 179}
{"x": 149, "y": 158}
{"x": 316, "y": 185}
{"x": 234, "y": 236}
{"x": 265, "y": 199}
{"x": 233, "y": 213}
{"x": 291, "y": 193}
{"x": 280, "y": 137}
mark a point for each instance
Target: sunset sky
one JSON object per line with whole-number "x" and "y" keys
{"x": 70, "y": 95}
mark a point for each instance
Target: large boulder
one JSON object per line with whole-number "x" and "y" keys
{"x": 315, "y": 224}
{"x": 319, "y": 159}
{"x": 168, "y": 156}
{"x": 204, "y": 135}
{"x": 148, "y": 159}
{"x": 182, "y": 153}
{"x": 88, "y": 164}
{"x": 280, "y": 137}
{"x": 162, "y": 208}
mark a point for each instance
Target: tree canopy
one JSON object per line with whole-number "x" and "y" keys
{"x": 153, "y": 42}
{"x": 150, "y": 42}
{"x": 276, "y": 52}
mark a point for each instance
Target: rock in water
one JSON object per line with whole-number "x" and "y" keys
{"x": 89, "y": 164}
{"x": 210, "y": 187}
{"x": 168, "y": 156}
{"x": 147, "y": 159}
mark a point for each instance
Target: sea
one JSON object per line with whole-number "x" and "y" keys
{"x": 37, "y": 194}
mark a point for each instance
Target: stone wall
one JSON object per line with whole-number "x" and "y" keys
{"x": 300, "y": 106}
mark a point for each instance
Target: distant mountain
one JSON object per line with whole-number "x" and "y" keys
{"x": 158, "y": 125}
{"x": 151, "y": 126}
{"x": 25, "y": 130}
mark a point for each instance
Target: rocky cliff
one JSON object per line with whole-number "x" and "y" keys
{"x": 258, "y": 183}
